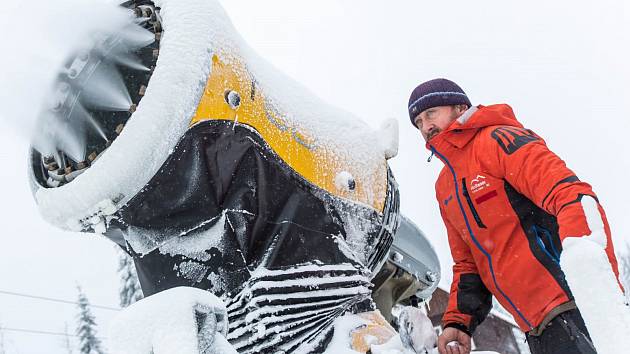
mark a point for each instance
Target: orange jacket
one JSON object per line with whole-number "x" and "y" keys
{"x": 507, "y": 202}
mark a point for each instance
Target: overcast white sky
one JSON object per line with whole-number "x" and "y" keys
{"x": 562, "y": 65}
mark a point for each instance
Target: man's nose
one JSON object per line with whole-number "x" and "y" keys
{"x": 427, "y": 128}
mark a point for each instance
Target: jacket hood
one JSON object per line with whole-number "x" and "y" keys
{"x": 464, "y": 128}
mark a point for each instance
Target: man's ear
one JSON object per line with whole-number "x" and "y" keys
{"x": 461, "y": 108}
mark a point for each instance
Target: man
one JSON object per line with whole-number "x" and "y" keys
{"x": 508, "y": 204}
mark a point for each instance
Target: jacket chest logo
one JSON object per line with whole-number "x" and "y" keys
{"x": 478, "y": 184}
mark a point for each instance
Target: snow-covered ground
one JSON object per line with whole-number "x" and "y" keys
{"x": 565, "y": 77}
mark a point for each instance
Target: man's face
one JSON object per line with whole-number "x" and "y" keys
{"x": 432, "y": 121}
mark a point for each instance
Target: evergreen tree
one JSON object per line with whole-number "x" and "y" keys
{"x": 130, "y": 290}
{"x": 86, "y": 328}
{"x": 2, "y": 349}
{"x": 66, "y": 339}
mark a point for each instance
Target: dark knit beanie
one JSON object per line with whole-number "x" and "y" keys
{"x": 434, "y": 93}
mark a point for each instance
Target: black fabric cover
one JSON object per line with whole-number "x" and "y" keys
{"x": 273, "y": 218}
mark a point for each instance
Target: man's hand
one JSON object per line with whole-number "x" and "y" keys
{"x": 453, "y": 341}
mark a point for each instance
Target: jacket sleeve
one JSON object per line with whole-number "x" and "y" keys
{"x": 523, "y": 159}
{"x": 469, "y": 300}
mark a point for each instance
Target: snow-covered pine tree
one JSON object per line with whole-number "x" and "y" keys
{"x": 130, "y": 290}
{"x": 86, "y": 328}
{"x": 2, "y": 349}
{"x": 66, "y": 340}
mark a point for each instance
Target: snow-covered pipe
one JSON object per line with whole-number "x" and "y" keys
{"x": 597, "y": 294}
{"x": 181, "y": 320}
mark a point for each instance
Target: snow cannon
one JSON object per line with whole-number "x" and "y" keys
{"x": 215, "y": 171}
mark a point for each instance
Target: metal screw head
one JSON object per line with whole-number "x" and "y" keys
{"x": 431, "y": 276}
{"x": 233, "y": 99}
{"x": 345, "y": 181}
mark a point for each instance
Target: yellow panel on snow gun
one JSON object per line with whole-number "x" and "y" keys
{"x": 232, "y": 93}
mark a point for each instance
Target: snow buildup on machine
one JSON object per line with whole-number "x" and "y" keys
{"x": 273, "y": 300}
{"x": 191, "y": 270}
{"x": 183, "y": 64}
{"x": 194, "y": 244}
{"x": 179, "y": 320}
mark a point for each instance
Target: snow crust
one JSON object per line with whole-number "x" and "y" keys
{"x": 389, "y": 137}
{"x": 160, "y": 120}
{"x": 597, "y": 294}
{"x": 194, "y": 30}
{"x": 416, "y": 330}
{"x": 341, "y": 342}
{"x": 168, "y": 322}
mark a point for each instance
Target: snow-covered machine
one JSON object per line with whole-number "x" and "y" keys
{"x": 214, "y": 171}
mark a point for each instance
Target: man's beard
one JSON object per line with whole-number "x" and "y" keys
{"x": 433, "y": 133}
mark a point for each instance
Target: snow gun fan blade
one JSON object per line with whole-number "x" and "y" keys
{"x": 95, "y": 94}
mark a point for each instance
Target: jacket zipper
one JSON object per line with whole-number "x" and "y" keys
{"x": 472, "y": 236}
{"x": 471, "y": 205}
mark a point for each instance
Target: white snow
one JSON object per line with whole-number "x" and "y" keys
{"x": 192, "y": 270}
{"x": 594, "y": 220}
{"x": 166, "y": 323}
{"x": 388, "y": 137}
{"x": 341, "y": 340}
{"x": 195, "y": 244}
{"x": 416, "y": 330}
{"x": 597, "y": 295}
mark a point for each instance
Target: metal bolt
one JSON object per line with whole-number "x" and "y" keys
{"x": 233, "y": 99}
{"x": 92, "y": 156}
{"x": 133, "y": 108}
{"x": 119, "y": 128}
{"x": 156, "y": 53}
{"x": 430, "y": 276}
{"x": 142, "y": 90}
